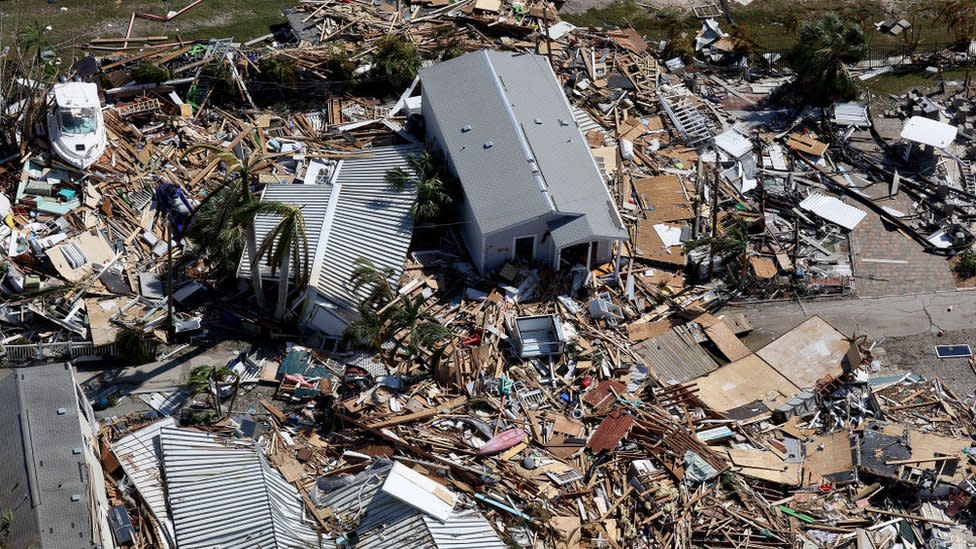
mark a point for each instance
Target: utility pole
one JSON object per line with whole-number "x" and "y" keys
{"x": 170, "y": 323}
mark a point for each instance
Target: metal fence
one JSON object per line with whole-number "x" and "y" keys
{"x": 68, "y": 350}
{"x": 877, "y": 55}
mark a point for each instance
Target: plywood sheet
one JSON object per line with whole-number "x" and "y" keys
{"x": 765, "y": 466}
{"x": 827, "y": 455}
{"x": 744, "y": 381}
{"x": 664, "y": 198}
{"x": 103, "y": 332}
{"x": 726, "y": 341}
{"x": 807, "y": 353}
{"x": 649, "y": 246}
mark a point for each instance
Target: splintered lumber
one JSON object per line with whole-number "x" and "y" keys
{"x": 423, "y": 414}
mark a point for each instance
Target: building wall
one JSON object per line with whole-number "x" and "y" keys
{"x": 500, "y": 245}
{"x": 470, "y": 231}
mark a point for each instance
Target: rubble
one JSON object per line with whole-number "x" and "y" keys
{"x": 553, "y": 367}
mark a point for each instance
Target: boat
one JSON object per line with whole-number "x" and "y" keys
{"x": 75, "y": 125}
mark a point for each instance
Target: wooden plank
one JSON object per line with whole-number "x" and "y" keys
{"x": 439, "y": 409}
{"x": 726, "y": 341}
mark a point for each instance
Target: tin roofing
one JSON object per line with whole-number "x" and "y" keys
{"x": 355, "y": 214}
{"x": 834, "y": 210}
{"x": 139, "y": 455}
{"x": 384, "y": 521}
{"x": 611, "y": 430}
{"x": 225, "y": 494}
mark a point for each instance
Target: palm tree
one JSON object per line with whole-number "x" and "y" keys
{"x": 369, "y": 329}
{"x": 206, "y": 379}
{"x": 285, "y": 246}
{"x": 396, "y": 61}
{"x": 423, "y": 330}
{"x": 432, "y": 191}
{"x": 376, "y": 280}
{"x": 242, "y": 171}
{"x": 820, "y": 57}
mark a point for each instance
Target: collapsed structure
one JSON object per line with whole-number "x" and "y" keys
{"x": 551, "y": 368}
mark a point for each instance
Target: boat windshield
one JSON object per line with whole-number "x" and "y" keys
{"x": 78, "y": 120}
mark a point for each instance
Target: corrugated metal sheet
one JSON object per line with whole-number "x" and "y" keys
{"x": 833, "y": 210}
{"x": 463, "y": 530}
{"x": 371, "y": 220}
{"x": 357, "y": 215}
{"x": 585, "y": 121}
{"x": 225, "y": 494}
{"x": 385, "y": 522}
{"x": 139, "y": 455}
{"x": 612, "y": 430}
{"x": 675, "y": 357}
{"x": 314, "y": 203}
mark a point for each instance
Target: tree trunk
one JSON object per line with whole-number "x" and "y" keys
{"x": 282, "y": 303}
{"x": 252, "y": 254}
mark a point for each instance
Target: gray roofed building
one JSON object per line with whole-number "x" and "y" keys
{"x": 382, "y": 519}
{"x": 350, "y": 212}
{"x": 510, "y": 136}
{"x": 50, "y": 478}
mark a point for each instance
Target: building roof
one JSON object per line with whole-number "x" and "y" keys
{"x": 40, "y": 471}
{"x": 225, "y": 494}
{"x": 349, "y": 214}
{"x": 515, "y": 144}
{"x": 139, "y": 455}
{"x": 386, "y": 521}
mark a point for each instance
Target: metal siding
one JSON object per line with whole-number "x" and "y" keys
{"x": 224, "y": 496}
{"x": 371, "y": 220}
{"x": 139, "y": 455}
{"x": 833, "y": 210}
{"x": 385, "y": 521}
{"x": 674, "y": 358}
{"x": 464, "y": 530}
{"x": 314, "y": 202}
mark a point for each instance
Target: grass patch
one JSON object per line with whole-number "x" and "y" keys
{"x": 771, "y": 23}
{"x": 83, "y": 20}
{"x": 900, "y": 83}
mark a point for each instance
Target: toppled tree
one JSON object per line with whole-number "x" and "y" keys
{"x": 820, "y": 57}
{"x": 207, "y": 379}
{"x": 382, "y": 316}
{"x": 395, "y": 62}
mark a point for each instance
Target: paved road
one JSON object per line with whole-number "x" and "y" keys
{"x": 879, "y": 317}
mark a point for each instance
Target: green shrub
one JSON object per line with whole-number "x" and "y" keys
{"x": 150, "y": 73}
{"x": 966, "y": 266}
